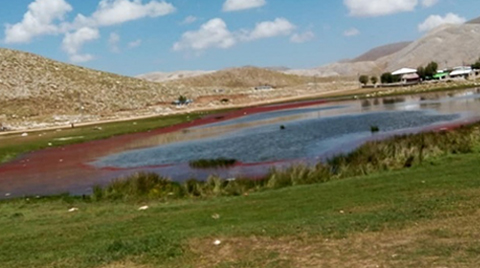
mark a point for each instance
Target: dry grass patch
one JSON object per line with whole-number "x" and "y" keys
{"x": 451, "y": 242}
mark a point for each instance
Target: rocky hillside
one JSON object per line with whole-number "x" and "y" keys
{"x": 243, "y": 78}
{"x": 169, "y": 76}
{"x": 33, "y": 86}
{"x": 380, "y": 52}
{"x": 448, "y": 45}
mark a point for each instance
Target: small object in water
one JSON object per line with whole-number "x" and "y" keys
{"x": 374, "y": 129}
{"x": 73, "y": 210}
{"x": 143, "y": 208}
{"x": 217, "y": 242}
{"x": 7, "y": 194}
{"x": 282, "y": 127}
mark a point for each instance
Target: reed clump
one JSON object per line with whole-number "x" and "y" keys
{"x": 372, "y": 157}
{"x": 212, "y": 163}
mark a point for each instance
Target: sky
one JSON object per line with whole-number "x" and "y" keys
{"x": 132, "y": 37}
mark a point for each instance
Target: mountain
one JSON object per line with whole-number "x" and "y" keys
{"x": 474, "y": 21}
{"x": 380, "y": 52}
{"x": 34, "y": 86}
{"x": 168, "y": 76}
{"x": 243, "y": 77}
{"x": 448, "y": 45}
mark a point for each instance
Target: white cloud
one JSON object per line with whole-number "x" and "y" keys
{"x": 112, "y": 12}
{"x": 267, "y": 29}
{"x": 429, "y": 3}
{"x": 213, "y": 33}
{"x": 37, "y": 21}
{"x": 436, "y": 20}
{"x": 113, "y": 41}
{"x": 374, "y": 8}
{"x": 135, "y": 43}
{"x": 302, "y": 38}
{"x": 46, "y": 17}
{"x": 351, "y": 32}
{"x": 189, "y": 20}
{"x": 73, "y": 42}
{"x": 235, "y": 5}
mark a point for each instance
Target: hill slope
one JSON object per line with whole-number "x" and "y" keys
{"x": 448, "y": 45}
{"x": 31, "y": 85}
{"x": 243, "y": 77}
{"x": 168, "y": 76}
{"x": 380, "y": 52}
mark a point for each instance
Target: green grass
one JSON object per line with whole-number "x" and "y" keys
{"x": 423, "y": 204}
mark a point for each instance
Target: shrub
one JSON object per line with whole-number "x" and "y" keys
{"x": 212, "y": 163}
{"x": 363, "y": 79}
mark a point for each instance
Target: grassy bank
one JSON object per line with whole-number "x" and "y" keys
{"x": 373, "y": 157}
{"x": 426, "y": 216}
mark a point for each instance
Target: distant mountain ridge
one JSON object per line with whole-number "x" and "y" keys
{"x": 381, "y": 51}
{"x": 243, "y": 77}
{"x": 448, "y": 45}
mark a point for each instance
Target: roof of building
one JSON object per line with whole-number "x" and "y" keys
{"x": 404, "y": 71}
{"x": 464, "y": 71}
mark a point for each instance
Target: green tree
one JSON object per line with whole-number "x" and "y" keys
{"x": 374, "y": 80}
{"x": 182, "y": 99}
{"x": 431, "y": 69}
{"x": 363, "y": 79}
{"x": 386, "y": 78}
{"x": 476, "y": 65}
{"x": 421, "y": 72}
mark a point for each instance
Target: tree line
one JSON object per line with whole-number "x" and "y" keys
{"x": 424, "y": 72}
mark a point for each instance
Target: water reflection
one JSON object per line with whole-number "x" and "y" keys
{"x": 311, "y": 133}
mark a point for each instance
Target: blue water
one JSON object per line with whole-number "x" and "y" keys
{"x": 304, "y": 137}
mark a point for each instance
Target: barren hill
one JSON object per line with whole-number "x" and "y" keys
{"x": 380, "y": 52}
{"x": 242, "y": 78}
{"x": 168, "y": 76}
{"x": 34, "y": 86}
{"x": 448, "y": 45}
{"x": 474, "y": 21}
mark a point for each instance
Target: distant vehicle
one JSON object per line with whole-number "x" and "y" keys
{"x": 180, "y": 103}
{"x": 266, "y": 87}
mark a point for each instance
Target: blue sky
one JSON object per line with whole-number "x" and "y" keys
{"x": 131, "y": 37}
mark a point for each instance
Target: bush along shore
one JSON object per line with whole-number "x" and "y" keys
{"x": 213, "y": 163}
{"x": 375, "y": 156}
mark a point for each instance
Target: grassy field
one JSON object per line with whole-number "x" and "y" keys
{"x": 426, "y": 216}
{"x": 13, "y": 145}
